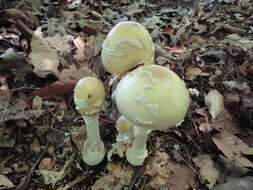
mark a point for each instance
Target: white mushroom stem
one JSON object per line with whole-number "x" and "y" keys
{"x": 93, "y": 150}
{"x": 137, "y": 153}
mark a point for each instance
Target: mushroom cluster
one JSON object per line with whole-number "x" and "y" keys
{"x": 149, "y": 97}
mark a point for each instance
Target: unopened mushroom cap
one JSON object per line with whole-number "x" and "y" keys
{"x": 127, "y": 45}
{"x": 152, "y": 97}
{"x": 89, "y": 95}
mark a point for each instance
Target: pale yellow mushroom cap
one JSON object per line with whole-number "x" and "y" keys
{"x": 127, "y": 45}
{"x": 89, "y": 95}
{"x": 152, "y": 97}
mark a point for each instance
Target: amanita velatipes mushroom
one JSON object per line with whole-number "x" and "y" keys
{"x": 89, "y": 95}
{"x": 151, "y": 97}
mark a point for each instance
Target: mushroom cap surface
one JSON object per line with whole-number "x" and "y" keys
{"x": 89, "y": 95}
{"x": 127, "y": 45}
{"x": 152, "y": 97}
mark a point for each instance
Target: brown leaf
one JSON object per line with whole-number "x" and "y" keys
{"x": 233, "y": 148}
{"x": 57, "y": 88}
{"x": 207, "y": 169}
{"x": 5, "y": 183}
{"x": 116, "y": 178}
{"x": 44, "y": 58}
{"x": 83, "y": 50}
{"x": 46, "y": 164}
{"x": 166, "y": 172}
{"x": 5, "y": 93}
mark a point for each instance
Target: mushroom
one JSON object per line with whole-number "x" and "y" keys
{"x": 124, "y": 138}
{"x": 151, "y": 97}
{"x": 89, "y": 95}
{"x": 126, "y": 46}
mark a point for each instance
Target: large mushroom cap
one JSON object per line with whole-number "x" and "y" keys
{"x": 89, "y": 95}
{"x": 127, "y": 45}
{"x": 152, "y": 97}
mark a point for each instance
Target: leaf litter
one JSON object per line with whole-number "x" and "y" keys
{"x": 208, "y": 43}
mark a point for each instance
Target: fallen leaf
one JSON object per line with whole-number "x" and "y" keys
{"x": 7, "y": 139}
{"x": 37, "y": 103}
{"x": 193, "y": 72}
{"x": 46, "y": 164}
{"x": 214, "y": 102}
{"x": 117, "y": 178}
{"x": 66, "y": 83}
{"x": 5, "y": 183}
{"x": 35, "y": 146}
{"x": 44, "y": 58}
{"x": 245, "y": 183}
{"x": 233, "y": 148}
{"x": 165, "y": 172}
{"x": 52, "y": 177}
{"x": 207, "y": 169}
{"x": 57, "y": 88}
{"x": 5, "y": 93}
{"x": 83, "y": 50}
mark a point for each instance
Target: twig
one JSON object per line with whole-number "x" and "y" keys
{"x": 23, "y": 184}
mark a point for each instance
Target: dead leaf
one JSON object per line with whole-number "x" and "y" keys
{"x": 44, "y": 58}
{"x": 5, "y": 93}
{"x": 46, "y": 164}
{"x": 57, "y": 88}
{"x": 116, "y": 178}
{"x": 37, "y": 103}
{"x": 83, "y": 50}
{"x": 233, "y": 148}
{"x": 52, "y": 177}
{"x": 214, "y": 102}
{"x": 193, "y": 72}
{"x": 5, "y": 183}
{"x": 207, "y": 169}
{"x": 7, "y": 139}
{"x": 35, "y": 146}
{"x": 165, "y": 172}
{"x": 245, "y": 183}
{"x": 66, "y": 83}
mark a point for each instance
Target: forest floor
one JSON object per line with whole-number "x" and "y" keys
{"x": 46, "y": 46}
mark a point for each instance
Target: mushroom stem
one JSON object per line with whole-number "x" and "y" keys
{"x": 137, "y": 153}
{"x": 92, "y": 127}
{"x": 93, "y": 150}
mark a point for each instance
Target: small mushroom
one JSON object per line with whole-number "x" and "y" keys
{"x": 124, "y": 138}
{"x": 151, "y": 97}
{"x": 126, "y": 46}
{"x": 89, "y": 95}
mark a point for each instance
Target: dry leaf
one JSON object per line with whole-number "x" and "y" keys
{"x": 245, "y": 183}
{"x": 83, "y": 51}
{"x": 5, "y": 93}
{"x": 207, "y": 169}
{"x": 116, "y": 178}
{"x": 44, "y": 58}
{"x": 5, "y": 183}
{"x": 214, "y": 102}
{"x": 52, "y": 177}
{"x": 57, "y": 88}
{"x": 193, "y": 72}
{"x": 233, "y": 148}
{"x": 37, "y": 103}
{"x": 66, "y": 83}
{"x": 46, "y": 164}
{"x": 35, "y": 146}
{"x": 166, "y": 172}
